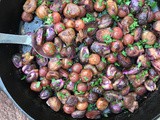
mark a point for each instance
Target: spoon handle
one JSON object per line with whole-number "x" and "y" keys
{"x": 15, "y": 39}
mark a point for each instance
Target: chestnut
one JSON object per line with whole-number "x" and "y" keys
{"x": 52, "y": 74}
{"x": 111, "y": 58}
{"x": 99, "y": 6}
{"x": 48, "y": 48}
{"x": 102, "y": 104}
{"x": 77, "y": 67}
{"x": 117, "y": 46}
{"x": 68, "y": 109}
{"x": 43, "y": 71}
{"x": 30, "y": 6}
{"x": 54, "y": 103}
{"x": 66, "y": 63}
{"x": 82, "y": 105}
{"x": 117, "y": 33}
{"x": 94, "y": 59}
{"x": 149, "y": 37}
{"x": 79, "y": 24}
{"x": 63, "y": 95}
{"x": 70, "y": 24}
{"x": 56, "y": 17}
{"x": 54, "y": 64}
{"x": 59, "y": 27}
{"x": 82, "y": 87}
{"x": 86, "y": 75}
{"x": 45, "y": 82}
{"x": 42, "y": 11}
{"x": 94, "y": 114}
{"x": 36, "y": 86}
{"x": 128, "y": 39}
{"x": 74, "y": 77}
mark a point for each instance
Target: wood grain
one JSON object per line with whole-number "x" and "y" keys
{"x": 8, "y": 111}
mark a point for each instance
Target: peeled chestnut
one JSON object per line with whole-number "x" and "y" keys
{"x": 68, "y": 109}
{"x": 77, "y": 67}
{"x": 54, "y": 103}
{"x": 86, "y": 75}
{"x": 117, "y": 46}
{"x": 36, "y": 86}
{"x": 74, "y": 77}
{"x": 102, "y": 104}
{"x": 94, "y": 59}
{"x": 48, "y": 48}
{"x": 82, "y": 105}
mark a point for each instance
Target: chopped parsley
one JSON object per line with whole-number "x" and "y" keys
{"x": 97, "y": 82}
{"x": 139, "y": 64}
{"x": 124, "y": 53}
{"x": 103, "y": 60}
{"x": 91, "y": 107}
{"x": 130, "y": 46}
{"x": 24, "y": 77}
{"x": 59, "y": 63}
{"x": 89, "y": 18}
{"x": 39, "y": 2}
{"x": 90, "y": 29}
{"x": 133, "y": 25}
{"x": 100, "y": 2}
{"x": 116, "y": 64}
{"x": 75, "y": 86}
{"x": 38, "y": 84}
{"x": 85, "y": 78}
{"x": 104, "y": 12}
{"x": 115, "y": 18}
{"x": 155, "y": 79}
{"x": 107, "y": 39}
{"x": 48, "y": 20}
{"x": 69, "y": 63}
{"x": 122, "y": 2}
{"x": 58, "y": 56}
{"x": 86, "y": 55}
{"x": 115, "y": 54}
{"x": 152, "y": 4}
{"x": 79, "y": 93}
{"x": 140, "y": 3}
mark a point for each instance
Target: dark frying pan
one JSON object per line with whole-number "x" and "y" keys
{"x": 28, "y": 101}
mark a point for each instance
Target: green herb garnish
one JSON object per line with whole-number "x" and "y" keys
{"x": 38, "y": 84}
{"x": 140, "y": 3}
{"x": 116, "y": 64}
{"x": 48, "y": 20}
{"x": 39, "y": 2}
{"x": 69, "y": 63}
{"x": 124, "y": 53}
{"x": 107, "y": 39}
{"x": 24, "y": 77}
{"x": 152, "y": 4}
{"x": 86, "y": 55}
{"x": 90, "y": 29}
{"x": 89, "y": 18}
{"x": 133, "y": 25}
{"x": 103, "y": 60}
{"x": 85, "y": 78}
{"x": 115, "y": 54}
{"x": 139, "y": 64}
{"x": 97, "y": 82}
{"x": 130, "y": 46}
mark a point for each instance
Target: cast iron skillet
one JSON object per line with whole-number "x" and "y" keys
{"x": 28, "y": 101}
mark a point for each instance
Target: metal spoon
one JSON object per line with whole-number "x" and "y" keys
{"x": 23, "y": 40}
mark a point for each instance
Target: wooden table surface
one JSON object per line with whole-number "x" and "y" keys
{"x": 8, "y": 111}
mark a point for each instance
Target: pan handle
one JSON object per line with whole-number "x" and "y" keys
{"x": 3, "y": 88}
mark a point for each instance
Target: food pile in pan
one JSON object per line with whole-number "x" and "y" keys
{"x": 106, "y": 54}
